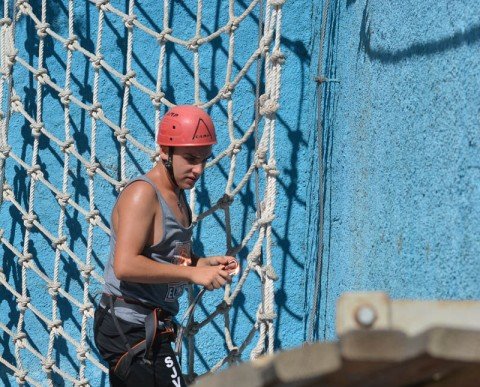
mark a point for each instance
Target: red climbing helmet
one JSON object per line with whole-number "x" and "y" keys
{"x": 186, "y": 125}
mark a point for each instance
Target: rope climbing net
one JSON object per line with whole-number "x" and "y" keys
{"x": 24, "y": 271}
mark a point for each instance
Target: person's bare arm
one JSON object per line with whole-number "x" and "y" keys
{"x": 136, "y": 213}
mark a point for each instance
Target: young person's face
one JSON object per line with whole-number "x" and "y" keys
{"x": 189, "y": 163}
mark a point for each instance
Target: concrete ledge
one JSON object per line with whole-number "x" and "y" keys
{"x": 438, "y": 357}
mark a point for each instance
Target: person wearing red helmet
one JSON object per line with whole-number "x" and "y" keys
{"x": 151, "y": 258}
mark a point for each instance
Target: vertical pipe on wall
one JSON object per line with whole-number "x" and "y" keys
{"x": 312, "y": 321}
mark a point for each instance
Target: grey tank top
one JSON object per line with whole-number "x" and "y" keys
{"x": 175, "y": 242}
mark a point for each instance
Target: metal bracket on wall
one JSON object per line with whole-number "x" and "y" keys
{"x": 321, "y": 79}
{"x": 376, "y": 311}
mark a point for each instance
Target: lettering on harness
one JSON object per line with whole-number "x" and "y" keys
{"x": 175, "y": 376}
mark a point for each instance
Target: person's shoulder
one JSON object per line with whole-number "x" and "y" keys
{"x": 139, "y": 193}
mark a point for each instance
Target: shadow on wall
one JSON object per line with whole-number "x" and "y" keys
{"x": 458, "y": 39}
{"x": 49, "y": 153}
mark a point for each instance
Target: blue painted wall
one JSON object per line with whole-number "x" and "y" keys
{"x": 391, "y": 190}
{"x": 401, "y": 152}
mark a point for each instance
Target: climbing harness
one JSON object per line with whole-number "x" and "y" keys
{"x": 146, "y": 346}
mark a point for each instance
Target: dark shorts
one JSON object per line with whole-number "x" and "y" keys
{"x": 163, "y": 369}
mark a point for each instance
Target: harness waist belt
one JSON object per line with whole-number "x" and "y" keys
{"x": 137, "y": 306}
{"x": 145, "y": 347}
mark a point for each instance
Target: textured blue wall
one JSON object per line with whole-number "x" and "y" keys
{"x": 402, "y": 152}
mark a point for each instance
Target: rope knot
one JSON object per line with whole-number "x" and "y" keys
{"x": 28, "y": 220}
{"x": 161, "y": 37}
{"x": 236, "y": 146}
{"x": 129, "y": 21}
{"x": 225, "y": 201}
{"x": 157, "y": 99}
{"x": 277, "y": 57}
{"x": 53, "y": 288}
{"x": 193, "y": 329}
{"x": 121, "y": 135}
{"x": 260, "y": 158}
{"x": 65, "y": 96}
{"x": 102, "y": 4}
{"x": 270, "y": 273}
{"x": 193, "y": 44}
{"x": 234, "y": 354}
{"x": 70, "y": 43}
{"x": 83, "y": 383}
{"x": 232, "y": 26}
{"x": 41, "y": 75}
{"x": 7, "y": 192}
{"x": 268, "y": 107}
{"x": 87, "y": 309}
{"x": 271, "y": 169}
{"x": 55, "y": 325}
{"x": 22, "y": 303}
{"x": 82, "y": 353}
{"x": 19, "y": 338}
{"x": 23, "y": 6}
{"x": 42, "y": 29}
{"x": 47, "y": 365}
{"x": 264, "y": 220}
{"x": 226, "y": 92}
{"x": 121, "y": 185}
{"x": 5, "y": 151}
{"x": 93, "y": 217}
{"x": 253, "y": 259}
{"x": 126, "y": 79}
{"x": 86, "y": 270}
{"x": 96, "y": 110}
{"x": 62, "y": 199}
{"x": 36, "y": 129}
{"x": 277, "y": 3}
{"x": 92, "y": 168}
{"x": 155, "y": 156}
{"x": 21, "y": 376}
{"x": 97, "y": 61}
{"x": 265, "y": 44}
{"x": 16, "y": 103}
{"x": 67, "y": 146}
{"x": 5, "y": 21}
{"x": 12, "y": 57}
{"x": 59, "y": 243}
{"x": 266, "y": 317}
{"x": 262, "y": 99}
{"x": 223, "y": 307}
{"x": 25, "y": 259}
{"x": 35, "y": 172}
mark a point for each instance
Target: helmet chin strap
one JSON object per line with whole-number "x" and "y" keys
{"x": 169, "y": 166}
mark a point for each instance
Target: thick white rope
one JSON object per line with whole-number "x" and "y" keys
{"x": 259, "y": 260}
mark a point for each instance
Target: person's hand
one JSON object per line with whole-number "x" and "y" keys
{"x": 212, "y": 277}
{"x": 215, "y": 260}
{"x": 230, "y": 264}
